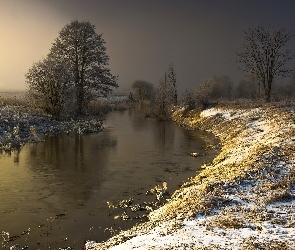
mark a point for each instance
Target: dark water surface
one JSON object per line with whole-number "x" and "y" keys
{"x": 54, "y": 194}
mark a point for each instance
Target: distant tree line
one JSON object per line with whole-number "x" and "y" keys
{"x": 208, "y": 92}
{"x": 73, "y": 73}
{"x": 263, "y": 57}
{"x": 161, "y": 97}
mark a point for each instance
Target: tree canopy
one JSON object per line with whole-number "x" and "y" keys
{"x": 84, "y": 52}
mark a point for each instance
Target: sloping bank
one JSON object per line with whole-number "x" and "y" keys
{"x": 244, "y": 199}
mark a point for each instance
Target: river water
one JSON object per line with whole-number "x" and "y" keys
{"x": 54, "y": 194}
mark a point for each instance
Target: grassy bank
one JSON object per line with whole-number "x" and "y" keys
{"x": 243, "y": 199}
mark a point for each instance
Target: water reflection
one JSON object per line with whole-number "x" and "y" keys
{"x": 161, "y": 132}
{"x": 73, "y": 161}
{"x": 76, "y": 175}
{"x": 15, "y": 154}
{"x": 164, "y": 135}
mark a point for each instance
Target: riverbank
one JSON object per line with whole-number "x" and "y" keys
{"x": 18, "y": 125}
{"x": 243, "y": 199}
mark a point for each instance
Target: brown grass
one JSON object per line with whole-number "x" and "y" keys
{"x": 229, "y": 222}
{"x": 13, "y": 101}
{"x": 252, "y": 244}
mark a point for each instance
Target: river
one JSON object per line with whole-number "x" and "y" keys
{"x": 54, "y": 194}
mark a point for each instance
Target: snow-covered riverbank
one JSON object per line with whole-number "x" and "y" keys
{"x": 18, "y": 125}
{"x": 244, "y": 199}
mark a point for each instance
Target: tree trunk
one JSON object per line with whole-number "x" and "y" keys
{"x": 267, "y": 92}
{"x": 267, "y": 96}
{"x": 80, "y": 99}
{"x": 175, "y": 97}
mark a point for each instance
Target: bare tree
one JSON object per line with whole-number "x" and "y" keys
{"x": 85, "y": 52}
{"x": 48, "y": 81}
{"x": 264, "y": 56}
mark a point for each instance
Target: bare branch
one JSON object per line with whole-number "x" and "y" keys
{"x": 263, "y": 55}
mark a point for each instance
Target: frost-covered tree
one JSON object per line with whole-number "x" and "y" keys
{"x": 48, "y": 81}
{"x": 212, "y": 89}
{"x": 189, "y": 99}
{"x": 264, "y": 55}
{"x": 171, "y": 78}
{"x": 143, "y": 91}
{"x": 203, "y": 93}
{"x": 84, "y": 51}
{"x": 164, "y": 97}
{"x": 166, "y": 93}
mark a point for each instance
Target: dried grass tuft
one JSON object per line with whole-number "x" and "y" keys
{"x": 230, "y": 222}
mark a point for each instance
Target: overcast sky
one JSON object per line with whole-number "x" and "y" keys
{"x": 142, "y": 36}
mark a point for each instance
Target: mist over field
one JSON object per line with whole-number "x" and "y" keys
{"x": 199, "y": 37}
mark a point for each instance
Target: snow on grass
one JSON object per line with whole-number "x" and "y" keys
{"x": 243, "y": 199}
{"x": 19, "y": 126}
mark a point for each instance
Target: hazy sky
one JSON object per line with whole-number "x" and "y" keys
{"x": 142, "y": 36}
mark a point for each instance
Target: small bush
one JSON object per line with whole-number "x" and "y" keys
{"x": 103, "y": 106}
{"x": 13, "y": 99}
{"x": 99, "y": 107}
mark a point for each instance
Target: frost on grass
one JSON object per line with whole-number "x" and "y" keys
{"x": 243, "y": 199}
{"x": 19, "y": 126}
